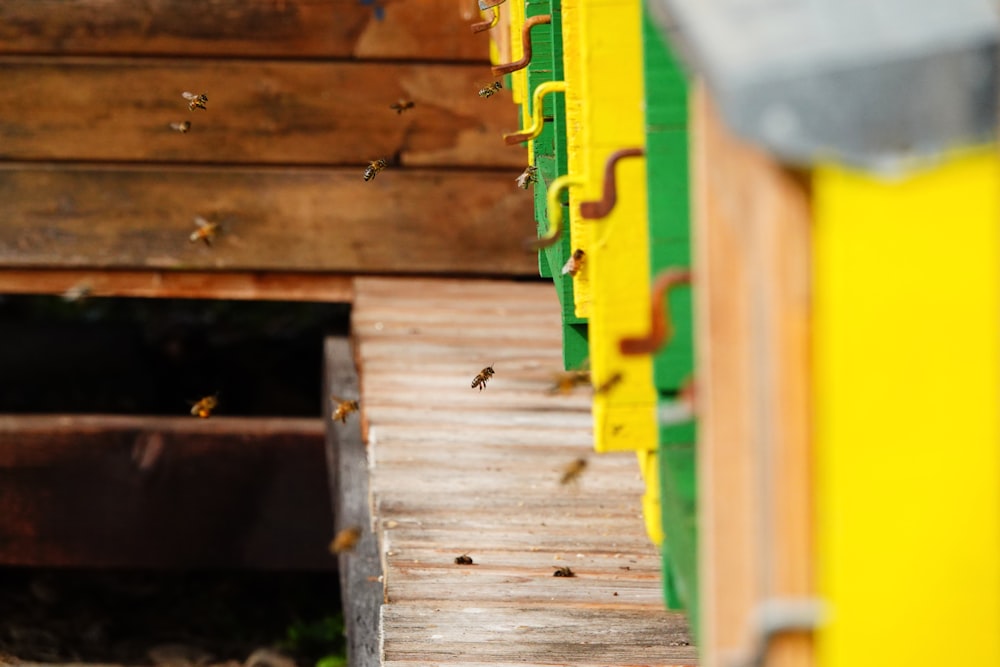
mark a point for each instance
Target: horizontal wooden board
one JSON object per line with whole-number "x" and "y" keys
{"x": 258, "y": 111}
{"x": 163, "y": 492}
{"x": 410, "y": 29}
{"x": 271, "y": 219}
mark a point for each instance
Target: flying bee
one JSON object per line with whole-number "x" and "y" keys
{"x": 567, "y": 381}
{"x": 481, "y": 379}
{"x": 490, "y": 90}
{"x": 608, "y": 384}
{"x": 464, "y": 559}
{"x": 204, "y": 407}
{"x": 574, "y": 263}
{"x": 401, "y": 106}
{"x": 181, "y": 127}
{"x": 344, "y": 408}
{"x": 196, "y": 101}
{"x": 204, "y": 231}
{"x": 563, "y": 571}
{"x": 572, "y": 472}
{"x": 528, "y": 176}
{"x": 374, "y": 167}
{"x": 345, "y": 540}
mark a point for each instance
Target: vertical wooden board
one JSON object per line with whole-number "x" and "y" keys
{"x": 907, "y": 352}
{"x": 618, "y": 266}
{"x": 408, "y": 29}
{"x": 752, "y": 308}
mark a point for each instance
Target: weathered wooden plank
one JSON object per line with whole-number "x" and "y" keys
{"x": 287, "y": 220}
{"x": 361, "y": 584}
{"x": 180, "y": 285}
{"x": 410, "y": 29}
{"x": 163, "y": 492}
{"x": 754, "y": 454}
{"x": 259, "y": 111}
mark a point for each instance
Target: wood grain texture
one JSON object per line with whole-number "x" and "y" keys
{"x": 181, "y": 285}
{"x": 104, "y": 491}
{"x": 752, "y": 246}
{"x": 454, "y": 470}
{"x": 360, "y": 568}
{"x": 404, "y": 29}
{"x": 258, "y": 111}
{"x": 276, "y": 220}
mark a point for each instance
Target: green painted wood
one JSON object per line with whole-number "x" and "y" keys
{"x": 678, "y": 497}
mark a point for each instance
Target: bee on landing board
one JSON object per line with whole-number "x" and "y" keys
{"x": 490, "y": 90}
{"x": 196, "y": 101}
{"x": 345, "y": 540}
{"x": 401, "y": 106}
{"x": 527, "y": 177}
{"x": 563, "y": 571}
{"x": 608, "y": 384}
{"x": 464, "y": 559}
{"x": 78, "y": 292}
{"x": 572, "y": 472}
{"x": 481, "y": 379}
{"x": 343, "y": 409}
{"x": 374, "y": 167}
{"x": 574, "y": 263}
{"x": 205, "y": 406}
{"x": 181, "y": 127}
{"x": 204, "y": 231}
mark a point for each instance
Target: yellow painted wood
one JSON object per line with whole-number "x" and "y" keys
{"x": 519, "y": 79}
{"x": 651, "y": 513}
{"x": 573, "y": 75}
{"x": 618, "y": 263}
{"x": 907, "y": 299}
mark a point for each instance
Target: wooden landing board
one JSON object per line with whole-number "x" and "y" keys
{"x": 455, "y": 471}
{"x": 401, "y": 29}
{"x": 271, "y": 219}
{"x": 258, "y": 112}
{"x": 163, "y": 492}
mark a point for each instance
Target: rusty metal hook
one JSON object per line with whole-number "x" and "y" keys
{"x": 593, "y": 210}
{"x": 659, "y": 315}
{"x": 494, "y": 19}
{"x": 554, "y": 207}
{"x": 537, "y": 123}
{"x": 529, "y": 23}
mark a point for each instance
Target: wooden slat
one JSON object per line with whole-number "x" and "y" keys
{"x": 455, "y": 470}
{"x": 181, "y": 285}
{"x": 259, "y": 111}
{"x": 411, "y": 29}
{"x": 163, "y": 492}
{"x": 282, "y": 220}
{"x": 754, "y": 453}
{"x": 361, "y": 589}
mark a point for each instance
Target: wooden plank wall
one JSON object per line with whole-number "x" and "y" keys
{"x": 92, "y": 176}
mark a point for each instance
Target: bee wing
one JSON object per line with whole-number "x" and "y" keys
{"x": 200, "y": 221}
{"x": 189, "y": 96}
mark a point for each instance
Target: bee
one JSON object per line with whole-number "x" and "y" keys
{"x": 490, "y": 90}
{"x": 563, "y": 571}
{"x": 344, "y": 408}
{"x": 528, "y": 176}
{"x": 574, "y": 263}
{"x": 464, "y": 559}
{"x": 196, "y": 101}
{"x": 77, "y": 292}
{"x": 608, "y": 384}
{"x": 401, "y": 106}
{"x": 345, "y": 540}
{"x": 572, "y": 472}
{"x": 204, "y": 231}
{"x": 181, "y": 127}
{"x": 204, "y": 407}
{"x": 566, "y": 381}
{"x": 481, "y": 379}
{"x": 374, "y": 167}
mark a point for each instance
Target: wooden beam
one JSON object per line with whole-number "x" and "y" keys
{"x": 251, "y": 286}
{"x": 361, "y": 580}
{"x": 271, "y": 220}
{"x": 163, "y": 492}
{"x": 258, "y": 111}
{"x": 752, "y": 233}
{"x": 415, "y": 29}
